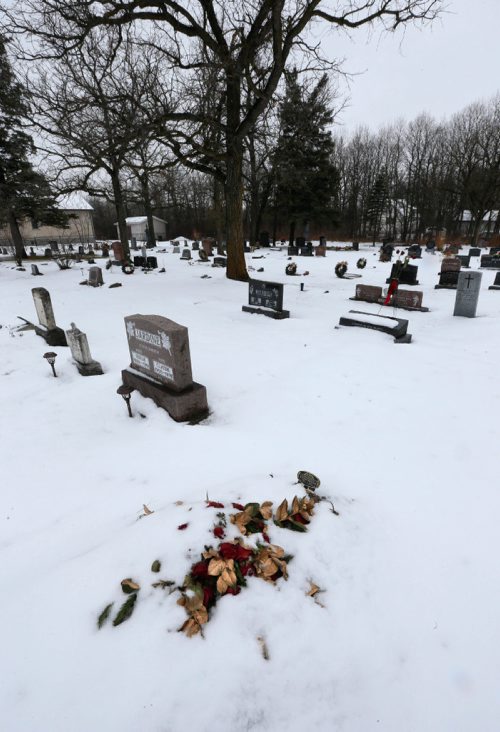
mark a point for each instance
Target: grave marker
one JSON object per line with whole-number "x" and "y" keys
{"x": 368, "y": 293}
{"x": 196, "y": 246}
{"x": 489, "y": 262}
{"x": 79, "y": 346}
{"x": 161, "y": 366}
{"x": 406, "y": 274}
{"x": 117, "y": 251}
{"x": 266, "y": 298}
{"x": 219, "y": 262}
{"x": 464, "y": 260}
{"x": 95, "y": 277}
{"x": 496, "y": 283}
{"x": 47, "y": 329}
{"x": 469, "y": 285}
{"x": 186, "y": 254}
{"x": 35, "y": 271}
{"x": 448, "y": 277}
{"x": 474, "y": 252}
{"x": 396, "y": 327}
{"x": 176, "y": 249}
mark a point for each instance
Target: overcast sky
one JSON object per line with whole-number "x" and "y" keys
{"x": 439, "y": 68}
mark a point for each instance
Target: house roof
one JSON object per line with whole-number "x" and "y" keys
{"x": 141, "y": 219}
{"x": 488, "y": 216}
{"x": 73, "y": 202}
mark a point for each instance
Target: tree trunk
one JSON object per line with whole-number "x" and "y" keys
{"x": 146, "y": 198}
{"x": 236, "y": 265}
{"x": 218, "y": 216}
{"x": 291, "y": 238}
{"x": 16, "y": 237}
{"x": 120, "y": 213}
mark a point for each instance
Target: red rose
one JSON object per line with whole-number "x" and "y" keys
{"x": 299, "y": 519}
{"x": 208, "y": 596}
{"x": 199, "y": 570}
{"x": 219, "y": 532}
{"x": 182, "y": 527}
{"x": 233, "y": 590}
{"x": 227, "y": 550}
{"x": 214, "y": 504}
{"x": 242, "y": 553}
{"x": 238, "y": 506}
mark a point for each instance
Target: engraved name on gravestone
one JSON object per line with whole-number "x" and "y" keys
{"x": 43, "y": 307}
{"x": 489, "y": 262}
{"x": 464, "y": 260}
{"x": 407, "y": 298}
{"x": 159, "y": 349}
{"x": 469, "y": 285}
{"x": 265, "y": 294}
{"x": 451, "y": 264}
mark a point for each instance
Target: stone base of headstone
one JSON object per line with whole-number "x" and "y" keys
{"x": 397, "y": 328}
{"x": 493, "y": 287}
{"x": 406, "y": 284}
{"x": 275, "y": 314}
{"x": 391, "y": 305}
{"x": 93, "y": 368}
{"x": 445, "y": 287}
{"x": 219, "y": 262}
{"x": 53, "y": 337}
{"x": 189, "y": 405}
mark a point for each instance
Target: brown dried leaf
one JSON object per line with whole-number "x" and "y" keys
{"x": 216, "y": 567}
{"x": 313, "y": 589}
{"x": 190, "y": 627}
{"x": 179, "y": 503}
{"x": 263, "y": 647}
{"x": 282, "y": 511}
{"x": 266, "y": 510}
{"x": 129, "y": 586}
{"x": 147, "y": 511}
{"x": 295, "y": 505}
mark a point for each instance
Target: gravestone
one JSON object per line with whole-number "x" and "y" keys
{"x": 464, "y": 260}
{"x": 489, "y": 262}
{"x": 266, "y": 298}
{"x": 355, "y": 246}
{"x": 105, "y": 250}
{"x": 81, "y": 249}
{"x": 196, "y": 246}
{"x": 117, "y": 251}
{"x": 415, "y": 251}
{"x": 448, "y": 277}
{"x": 396, "y": 327}
{"x": 186, "y": 254}
{"x": 496, "y": 283}
{"x": 306, "y": 250}
{"x": 207, "y": 247}
{"x": 203, "y": 255}
{"x": 35, "y": 271}
{"x": 264, "y": 239}
{"x": 300, "y": 241}
{"x": 32, "y": 252}
{"x": 469, "y": 285}
{"x": 47, "y": 327}
{"x": 48, "y": 253}
{"x": 152, "y": 262}
{"x": 407, "y": 275}
{"x": 176, "y": 249}
{"x": 95, "y": 277}
{"x": 431, "y": 247}
{"x": 54, "y": 247}
{"x": 293, "y": 251}
{"x": 386, "y": 251}
{"x": 408, "y": 300}
{"x": 494, "y": 250}
{"x": 219, "y": 262}
{"x": 79, "y": 347}
{"x": 322, "y": 241}
{"x": 139, "y": 261}
{"x": 161, "y": 367}
{"x": 368, "y": 293}
{"x": 474, "y": 252}
{"x": 320, "y": 250}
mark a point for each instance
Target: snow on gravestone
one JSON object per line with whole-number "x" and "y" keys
{"x": 161, "y": 366}
{"x": 47, "y": 329}
{"x": 469, "y": 284}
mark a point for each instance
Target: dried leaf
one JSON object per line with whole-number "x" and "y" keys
{"x": 295, "y": 505}
{"x": 156, "y": 566}
{"x": 266, "y": 510}
{"x": 182, "y": 527}
{"x": 282, "y": 511}
{"x": 263, "y": 647}
{"x": 179, "y": 503}
{"x": 129, "y": 586}
{"x": 163, "y": 583}
{"x": 216, "y": 567}
{"x": 190, "y": 627}
{"x": 313, "y": 589}
{"x": 147, "y": 511}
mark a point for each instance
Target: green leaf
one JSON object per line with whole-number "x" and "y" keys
{"x": 126, "y": 610}
{"x": 104, "y": 615}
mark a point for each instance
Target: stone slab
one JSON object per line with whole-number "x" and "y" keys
{"x": 488, "y": 262}
{"x": 396, "y": 327}
{"x": 469, "y": 285}
{"x": 275, "y": 314}
{"x": 189, "y": 405}
{"x": 496, "y": 283}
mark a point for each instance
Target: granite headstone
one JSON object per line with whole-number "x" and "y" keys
{"x": 469, "y": 285}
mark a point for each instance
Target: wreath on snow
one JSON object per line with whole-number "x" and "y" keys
{"x": 340, "y": 269}
{"x": 291, "y": 269}
{"x": 361, "y": 263}
{"x": 128, "y": 268}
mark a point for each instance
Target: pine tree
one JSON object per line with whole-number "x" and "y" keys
{"x": 377, "y": 203}
{"x": 24, "y": 192}
{"x": 307, "y": 179}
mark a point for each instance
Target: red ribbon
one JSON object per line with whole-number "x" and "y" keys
{"x": 392, "y": 289}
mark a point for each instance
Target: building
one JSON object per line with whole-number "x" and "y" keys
{"x": 78, "y": 230}
{"x": 489, "y": 223}
{"x": 137, "y": 228}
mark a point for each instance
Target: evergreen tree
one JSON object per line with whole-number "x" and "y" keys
{"x": 24, "y": 192}
{"x": 307, "y": 179}
{"x": 377, "y": 203}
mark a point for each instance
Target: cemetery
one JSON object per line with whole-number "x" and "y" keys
{"x": 229, "y": 502}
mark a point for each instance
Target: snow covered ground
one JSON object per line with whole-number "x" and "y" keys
{"x": 403, "y": 437}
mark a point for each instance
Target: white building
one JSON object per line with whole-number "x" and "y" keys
{"x": 137, "y": 228}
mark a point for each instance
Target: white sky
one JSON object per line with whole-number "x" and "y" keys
{"x": 439, "y": 68}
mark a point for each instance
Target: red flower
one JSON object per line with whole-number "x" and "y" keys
{"x": 214, "y": 504}
{"x": 233, "y": 590}
{"x": 234, "y": 551}
{"x": 246, "y": 569}
{"x": 238, "y": 506}
{"x": 208, "y": 596}
{"x": 299, "y": 519}
{"x": 182, "y": 527}
{"x": 265, "y": 537}
{"x": 199, "y": 570}
{"x": 219, "y": 532}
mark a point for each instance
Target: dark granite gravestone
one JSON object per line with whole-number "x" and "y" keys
{"x": 386, "y": 251}
{"x": 431, "y": 247}
{"x": 415, "y": 251}
{"x": 81, "y": 249}
{"x": 407, "y": 275}
{"x": 186, "y": 254}
{"x": 306, "y": 250}
{"x": 79, "y": 347}
{"x": 489, "y": 262}
{"x": 293, "y": 251}
{"x": 48, "y": 253}
{"x": 54, "y": 247}
{"x": 117, "y": 251}
{"x": 464, "y": 260}
{"x": 176, "y": 249}
{"x": 448, "y": 277}
{"x": 219, "y": 262}
{"x": 355, "y": 246}
{"x": 469, "y": 285}
{"x": 152, "y": 262}
{"x": 368, "y": 293}
{"x": 95, "y": 277}
{"x": 161, "y": 366}
{"x": 396, "y": 327}
{"x": 496, "y": 283}
{"x": 494, "y": 250}
{"x": 322, "y": 241}
{"x": 196, "y": 246}
{"x": 474, "y": 252}
{"x": 47, "y": 327}
{"x": 264, "y": 239}
{"x": 300, "y": 241}
{"x": 139, "y": 261}
{"x": 35, "y": 271}
{"x": 266, "y": 298}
